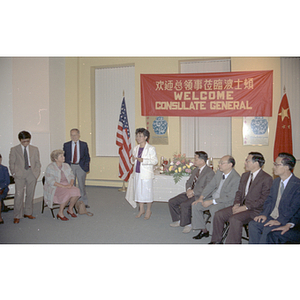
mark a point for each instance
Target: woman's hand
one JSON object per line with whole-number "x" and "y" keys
{"x": 140, "y": 159}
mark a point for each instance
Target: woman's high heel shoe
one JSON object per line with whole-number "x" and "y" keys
{"x": 62, "y": 218}
{"x": 139, "y": 215}
{"x": 148, "y": 215}
{"x": 72, "y": 215}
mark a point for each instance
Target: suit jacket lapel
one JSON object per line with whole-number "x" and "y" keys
{"x": 289, "y": 186}
{"x": 19, "y": 150}
{"x": 80, "y": 148}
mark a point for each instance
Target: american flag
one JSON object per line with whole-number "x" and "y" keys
{"x": 123, "y": 141}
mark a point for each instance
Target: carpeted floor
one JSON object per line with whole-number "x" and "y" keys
{"x": 113, "y": 222}
{"x": 113, "y": 254}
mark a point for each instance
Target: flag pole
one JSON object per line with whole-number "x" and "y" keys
{"x": 123, "y": 189}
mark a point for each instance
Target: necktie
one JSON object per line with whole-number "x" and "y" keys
{"x": 247, "y": 191}
{"x": 281, "y": 189}
{"x": 251, "y": 177}
{"x": 275, "y": 213}
{"x": 26, "y": 159}
{"x": 195, "y": 179}
{"x": 75, "y": 154}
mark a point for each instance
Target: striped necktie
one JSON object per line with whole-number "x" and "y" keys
{"x": 75, "y": 154}
{"x": 195, "y": 179}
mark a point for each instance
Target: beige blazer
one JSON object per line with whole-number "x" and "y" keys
{"x": 17, "y": 162}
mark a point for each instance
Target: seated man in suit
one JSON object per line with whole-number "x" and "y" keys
{"x": 281, "y": 209}
{"x": 219, "y": 193}
{"x": 180, "y": 205}
{"x": 253, "y": 190}
{"x": 287, "y": 234}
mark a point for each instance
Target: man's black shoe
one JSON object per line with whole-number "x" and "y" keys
{"x": 200, "y": 235}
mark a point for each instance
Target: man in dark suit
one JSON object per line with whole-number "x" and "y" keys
{"x": 180, "y": 205}
{"x": 78, "y": 157}
{"x": 218, "y": 194}
{"x": 25, "y": 167}
{"x": 253, "y": 190}
{"x": 281, "y": 209}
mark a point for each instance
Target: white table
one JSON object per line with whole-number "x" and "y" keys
{"x": 165, "y": 188}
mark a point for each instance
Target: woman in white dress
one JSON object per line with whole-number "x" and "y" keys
{"x": 144, "y": 159}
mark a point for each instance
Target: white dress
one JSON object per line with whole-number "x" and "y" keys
{"x": 143, "y": 181}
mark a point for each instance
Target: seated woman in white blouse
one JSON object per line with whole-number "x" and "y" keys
{"x": 59, "y": 185}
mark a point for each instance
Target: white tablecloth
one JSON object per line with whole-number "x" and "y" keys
{"x": 165, "y": 188}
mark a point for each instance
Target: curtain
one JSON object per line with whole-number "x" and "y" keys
{"x": 211, "y": 134}
{"x": 110, "y": 83}
{"x": 290, "y": 80}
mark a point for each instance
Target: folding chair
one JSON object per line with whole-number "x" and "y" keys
{"x": 54, "y": 205}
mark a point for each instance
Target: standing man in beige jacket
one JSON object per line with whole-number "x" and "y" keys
{"x": 25, "y": 167}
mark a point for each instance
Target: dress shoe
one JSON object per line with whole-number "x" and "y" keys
{"x": 72, "y": 215}
{"x": 2, "y": 222}
{"x": 29, "y": 217}
{"x": 200, "y": 235}
{"x": 187, "y": 229}
{"x": 175, "y": 224}
{"x": 16, "y": 221}
{"x": 62, "y": 218}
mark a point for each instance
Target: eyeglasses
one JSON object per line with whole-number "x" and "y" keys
{"x": 276, "y": 164}
{"x": 248, "y": 160}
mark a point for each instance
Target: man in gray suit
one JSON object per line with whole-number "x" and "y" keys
{"x": 180, "y": 205}
{"x": 218, "y": 194}
{"x": 25, "y": 167}
{"x": 253, "y": 190}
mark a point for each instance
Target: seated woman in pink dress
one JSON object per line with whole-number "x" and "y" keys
{"x": 58, "y": 187}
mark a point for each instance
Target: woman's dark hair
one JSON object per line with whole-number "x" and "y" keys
{"x": 144, "y": 131}
{"x": 23, "y": 135}
{"x": 203, "y": 155}
{"x": 256, "y": 156}
{"x": 288, "y": 160}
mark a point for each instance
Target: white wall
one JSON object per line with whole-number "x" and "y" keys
{"x": 6, "y": 110}
{"x": 32, "y": 95}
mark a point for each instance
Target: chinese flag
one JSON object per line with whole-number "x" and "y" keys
{"x": 283, "y": 138}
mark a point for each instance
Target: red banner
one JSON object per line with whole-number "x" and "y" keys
{"x": 231, "y": 94}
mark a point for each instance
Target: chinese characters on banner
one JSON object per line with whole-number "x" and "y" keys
{"x": 230, "y": 94}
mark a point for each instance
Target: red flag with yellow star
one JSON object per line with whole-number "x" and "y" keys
{"x": 283, "y": 138}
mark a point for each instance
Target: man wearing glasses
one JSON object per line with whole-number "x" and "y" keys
{"x": 253, "y": 190}
{"x": 279, "y": 222}
{"x": 218, "y": 194}
{"x": 25, "y": 167}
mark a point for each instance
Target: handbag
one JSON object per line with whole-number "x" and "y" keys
{"x": 81, "y": 209}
